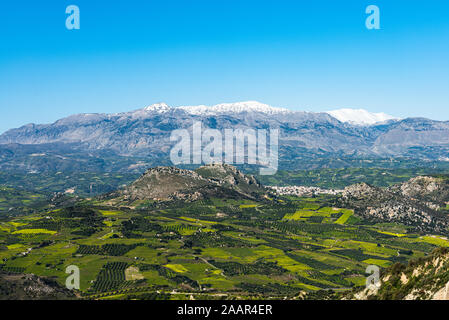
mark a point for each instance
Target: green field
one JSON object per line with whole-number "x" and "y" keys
{"x": 273, "y": 248}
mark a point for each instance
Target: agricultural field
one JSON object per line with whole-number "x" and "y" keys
{"x": 80, "y": 182}
{"x": 338, "y": 178}
{"x": 17, "y": 201}
{"x": 207, "y": 249}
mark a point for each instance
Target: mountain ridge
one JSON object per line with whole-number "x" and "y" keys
{"x": 146, "y": 132}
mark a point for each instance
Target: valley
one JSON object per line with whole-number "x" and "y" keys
{"x": 234, "y": 240}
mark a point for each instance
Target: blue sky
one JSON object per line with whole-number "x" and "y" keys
{"x": 305, "y": 55}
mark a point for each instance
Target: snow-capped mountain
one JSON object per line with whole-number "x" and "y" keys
{"x": 238, "y": 107}
{"x": 146, "y": 132}
{"x": 353, "y": 116}
{"x": 360, "y": 116}
{"x": 157, "y": 107}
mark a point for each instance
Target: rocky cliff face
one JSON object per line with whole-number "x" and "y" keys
{"x": 423, "y": 279}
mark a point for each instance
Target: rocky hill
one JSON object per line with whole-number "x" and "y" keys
{"x": 422, "y": 279}
{"x": 419, "y": 203}
{"x": 228, "y": 176}
{"x": 31, "y": 287}
{"x": 434, "y": 191}
{"x": 170, "y": 183}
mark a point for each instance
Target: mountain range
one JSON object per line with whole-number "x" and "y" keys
{"x": 303, "y": 135}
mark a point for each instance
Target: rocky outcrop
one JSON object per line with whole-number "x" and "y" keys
{"x": 170, "y": 183}
{"x": 434, "y": 191}
{"x": 415, "y": 203}
{"x": 31, "y": 287}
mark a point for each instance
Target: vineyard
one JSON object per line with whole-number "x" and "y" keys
{"x": 107, "y": 249}
{"x": 205, "y": 239}
{"x": 11, "y": 269}
{"x": 182, "y": 229}
{"x": 170, "y": 275}
{"x": 111, "y": 277}
{"x": 260, "y": 267}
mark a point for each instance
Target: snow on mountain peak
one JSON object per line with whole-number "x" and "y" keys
{"x": 238, "y": 107}
{"x": 360, "y": 116}
{"x": 157, "y": 107}
{"x": 353, "y": 116}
